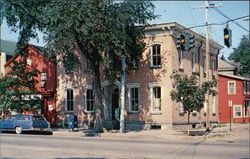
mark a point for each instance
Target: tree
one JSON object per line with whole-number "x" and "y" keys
{"x": 188, "y": 92}
{"x": 102, "y": 30}
{"x": 17, "y": 87}
{"x": 241, "y": 54}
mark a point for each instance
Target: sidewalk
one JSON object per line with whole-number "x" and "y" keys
{"x": 239, "y": 131}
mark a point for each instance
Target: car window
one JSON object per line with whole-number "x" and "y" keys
{"x": 38, "y": 118}
{"x": 23, "y": 118}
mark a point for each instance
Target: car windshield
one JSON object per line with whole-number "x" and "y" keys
{"x": 38, "y": 118}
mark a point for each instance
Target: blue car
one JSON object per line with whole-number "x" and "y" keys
{"x": 25, "y": 122}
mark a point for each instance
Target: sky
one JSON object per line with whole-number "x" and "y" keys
{"x": 182, "y": 13}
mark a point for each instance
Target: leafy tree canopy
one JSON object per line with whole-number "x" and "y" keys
{"x": 241, "y": 54}
{"x": 17, "y": 87}
{"x": 188, "y": 92}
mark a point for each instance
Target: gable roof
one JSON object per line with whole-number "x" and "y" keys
{"x": 225, "y": 66}
{"x": 8, "y": 47}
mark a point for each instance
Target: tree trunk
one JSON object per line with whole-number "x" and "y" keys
{"x": 98, "y": 105}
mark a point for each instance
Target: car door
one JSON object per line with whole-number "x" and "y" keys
{"x": 8, "y": 123}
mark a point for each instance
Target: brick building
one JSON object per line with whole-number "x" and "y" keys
{"x": 46, "y": 85}
{"x": 148, "y": 84}
{"x": 234, "y": 95}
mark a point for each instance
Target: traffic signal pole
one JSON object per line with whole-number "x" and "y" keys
{"x": 207, "y": 6}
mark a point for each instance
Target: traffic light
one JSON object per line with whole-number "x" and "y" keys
{"x": 228, "y": 37}
{"x": 181, "y": 42}
{"x": 190, "y": 41}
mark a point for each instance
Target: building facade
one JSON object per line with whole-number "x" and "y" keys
{"x": 7, "y": 51}
{"x": 46, "y": 80}
{"x": 148, "y": 84}
{"x": 234, "y": 95}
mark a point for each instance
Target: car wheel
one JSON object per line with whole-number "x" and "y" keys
{"x": 18, "y": 130}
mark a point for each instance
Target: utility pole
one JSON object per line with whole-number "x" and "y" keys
{"x": 122, "y": 121}
{"x": 207, "y": 7}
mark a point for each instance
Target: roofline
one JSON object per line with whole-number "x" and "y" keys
{"x": 233, "y": 76}
{"x": 18, "y": 54}
{"x": 169, "y": 25}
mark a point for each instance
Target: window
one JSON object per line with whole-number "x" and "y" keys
{"x": 247, "y": 108}
{"x": 89, "y": 104}
{"x": 213, "y": 105}
{"x": 134, "y": 99}
{"x": 132, "y": 64}
{"x": 213, "y": 66}
{"x": 70, "y": 100}
{"x": 86, "y": 66}
{"x": 237, "y": 111}
{"x": 156, "y": 56}
{"x": 180, "y": 58}
{"x": 245, "y": 87}
{"x": 181, "y": 110}
{"x": 204, "y": 64}
{"x": 193, "y": 61}
{"x": 43, "y": 76}
{"x": 231, "y": 87}
{"x": 248, "y": 88}
{"x": 156, "y": 100}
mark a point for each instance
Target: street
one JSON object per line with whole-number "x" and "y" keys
{"x": 27, "y": 146}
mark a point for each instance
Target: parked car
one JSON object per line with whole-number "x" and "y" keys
{"x": 25, "y": 122}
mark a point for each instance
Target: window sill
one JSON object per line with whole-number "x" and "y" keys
{"x": 89, "y": 112}
{"x": 155, "y": 67}
{"x": 134, "y": 112}
{"x": 156, "y": 113}
{"x": 69, "y": 112}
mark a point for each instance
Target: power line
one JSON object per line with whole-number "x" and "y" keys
{"x": 224, "y": 15}
{"x": 218, "y": 23}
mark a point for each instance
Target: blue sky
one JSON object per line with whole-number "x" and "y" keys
{"x": 182, "y": 13}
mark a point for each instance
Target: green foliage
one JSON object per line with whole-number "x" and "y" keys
{"x": 93, "y": 27}
{"x": 17, "y": 86}
{"x": 241, "y": 54}
{"x": 188, "y": 92}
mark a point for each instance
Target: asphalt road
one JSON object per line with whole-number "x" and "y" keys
{"x": 27, "y": 146}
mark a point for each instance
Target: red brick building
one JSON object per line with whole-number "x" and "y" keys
{"x": 234, "y": 95}
{"x": 46, "y": 85}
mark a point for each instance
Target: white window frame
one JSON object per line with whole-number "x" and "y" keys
{"x": 237, "y": 106}
{"x": 88, "y": 87}
{"x": 228, "y": 86}
{"x": 214, "y": 104}
{"x": 152, "y": 62}
{"x": 66, "y": 100}
{"x": 248, "y": 100}
{"x": 181, "y": 108}
{"x": 131, "y": 86}
{"x": 151, "y": 86}
{"x": 43, "y": 76}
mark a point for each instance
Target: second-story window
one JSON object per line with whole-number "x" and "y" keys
{"x": 204, "y": 64}
{"x": 231, "y": 87}
{"x": 246, "y": 87}
{"x": 43, "y": 76}
{"x": 156, "y": 56}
